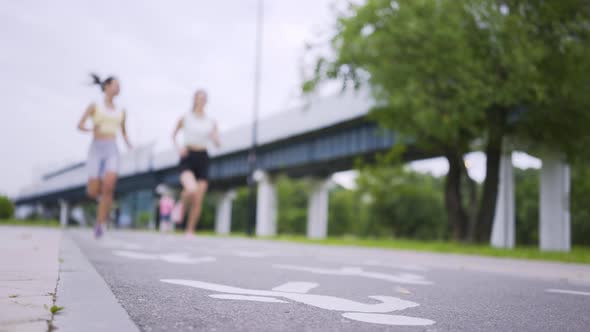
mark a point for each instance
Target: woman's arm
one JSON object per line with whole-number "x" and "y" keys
{"x": 87, "y": 113}
{"x": 124, "y": 131}
{"x": 181, "y": 150}
{"x": 215, "y": 136}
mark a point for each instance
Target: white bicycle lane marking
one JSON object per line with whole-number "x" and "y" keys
{"x": 363, "y": 312}
{"x": 402, "y": 278}
{"x": 177, "y": 258}
{"x": 567, "y": 291}
{"x": 246, "y": 298}
{"x": 113, "y": 243}
{"x": 410, "y": 267}
{"x": 251, "y": 254}
{"x": 376, "y": 263}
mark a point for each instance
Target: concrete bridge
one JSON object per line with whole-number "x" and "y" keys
{"x": 315, "y": 141}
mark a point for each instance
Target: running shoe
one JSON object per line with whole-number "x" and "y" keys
{"x": 98, "y": 231}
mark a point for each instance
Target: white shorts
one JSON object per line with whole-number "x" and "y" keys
{"x": 103, "y": 157}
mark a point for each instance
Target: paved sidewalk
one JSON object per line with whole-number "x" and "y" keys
{"x": 29, "y": 270}
{"x": 132, "y": 280}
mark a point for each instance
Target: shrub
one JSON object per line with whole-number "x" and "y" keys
{"x": 6, "y": 208}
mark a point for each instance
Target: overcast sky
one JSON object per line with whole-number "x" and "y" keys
{"x": 161, "y": 51}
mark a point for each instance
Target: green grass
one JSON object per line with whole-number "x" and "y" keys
{"x": 42, "y": 223}
{"x": 577, "y": 255}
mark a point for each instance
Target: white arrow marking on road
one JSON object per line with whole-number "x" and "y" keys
{"x": 388, "y": 319}
{"x": 184, "y": 259}
{"x": 374, "y": 262}
{"x": 247, "y": 298}
{"x": 178, "y": 258}
{"x": 402, "y": 290}
{"x": 121, "y": 244}
{"x": 134, "y": 255}
{"x": 404, "y": 278}
{"x": 261, "y": 254}
{"x": 296, "y": 287}
{"x": 378, "y": 263}
{"x": 251, "y": 254}
{"x": 387, "y": 304}
{"x": 565, "y": 291}
{"x": 358, "y": 311}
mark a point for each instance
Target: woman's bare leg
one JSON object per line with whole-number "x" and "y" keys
{"x": 197, "y": 206}
{"x": 106, "y": 197}
{"x": 93, "y": 188}
{"x": 189, "y": 191}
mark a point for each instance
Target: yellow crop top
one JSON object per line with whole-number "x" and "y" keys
{"x": 107, "y": 122}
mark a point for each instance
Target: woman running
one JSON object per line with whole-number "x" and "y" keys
{"x": 103, "y": 157}
{"x": 198, "y": 131}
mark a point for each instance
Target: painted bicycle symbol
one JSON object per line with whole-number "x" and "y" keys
{"x": 378, "y": 313}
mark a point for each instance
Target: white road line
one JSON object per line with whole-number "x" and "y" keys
{"x": 405, "y": 278}
{"x": 388, "y": 319}
{"x": 120, "y": 244}
{"x": 395, "y": 266}
{"x": 247, "y": 298}
{"x": 296, "y": 287}
{"x": 363, "y": 312}
{"x": 251, "y": 254}
{"x": 565, "y": 291}
{"x": 385, "y": 304}
{"x": 178, "y": 258}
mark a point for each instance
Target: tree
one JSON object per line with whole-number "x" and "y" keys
{"x": 347, "y": 213}
{"x": 292, "y": 198}
{"x": 240, "y": 210}
{"x": 6, "y": 208}
{"x": 454, "y": 76}
{"x": 559, "y": 119}
{"x": 526, "y": 184}
{"x": 527, "y": 205}
{"x": 580, "y": 211}
{"x": 292, "y": 207}
{"x": 207, "y": 219}
{"x": 404, "y": 203}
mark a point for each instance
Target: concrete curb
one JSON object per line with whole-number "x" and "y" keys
{"x": 89, "y": 305}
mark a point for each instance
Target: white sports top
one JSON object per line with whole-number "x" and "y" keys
{"x": 107, "y": 121}
{"x": 196, "y": 129}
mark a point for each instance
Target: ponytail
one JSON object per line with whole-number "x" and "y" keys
{"x": 97, "y": 81}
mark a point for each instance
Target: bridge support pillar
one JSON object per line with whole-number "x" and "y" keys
{"x": 64, "y": 212}
{"x": 317, "y": 210}
{"x": 266, "y": 205}
{"x": 77, "y": 214}
{"x": 504, "y": 219}
{"x": 223, "y": 213}
{"x": 40, "y": 210}
{"x": 554, "y": 205}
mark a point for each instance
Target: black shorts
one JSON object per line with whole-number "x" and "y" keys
{"x": 196, "y": 162}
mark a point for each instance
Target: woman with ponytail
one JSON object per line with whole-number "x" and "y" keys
{"x": 199, "y": 130}
{"x": 103, "y": 156}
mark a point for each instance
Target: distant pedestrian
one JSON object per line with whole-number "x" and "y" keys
{"x": 177, "y": 215}
{"x": 166, "y": 206}
{"x": 198, "y": 131}
{"x": 103, "y": 156}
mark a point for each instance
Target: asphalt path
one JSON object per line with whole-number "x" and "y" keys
{"x": 170, "y": 283}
